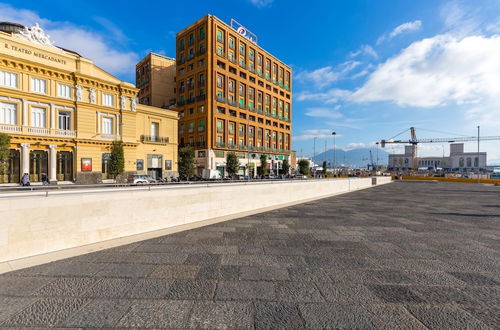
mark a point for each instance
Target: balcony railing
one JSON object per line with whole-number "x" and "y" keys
{"x": 221, "y": 99}
{"x": 181, "y": 102}
{"x": 154, "y": 139}
{"x": 182, "y": 89}
{"x": 39, "y": 130}
{"x": 201, "y": 128}
{"x": 201, "y": 52}
{"x": 181, "y": 61}
{"x": 242, "y": 106}
{"x": 221, "y": 144}
{"x": 232, "y": 103}
{"x": 190, "y": 100}
{"x": 63, "y": 132}
{"x": 190, "y": 57}
{"x": 10, "y": 128}
{"x": 220, "y": 130}
{"x": 201, "y": 83}
{"x": 191, "y": 130}
{"x": 200, "y": 97}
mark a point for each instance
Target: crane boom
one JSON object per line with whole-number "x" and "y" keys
{"x": 441, "y": 140}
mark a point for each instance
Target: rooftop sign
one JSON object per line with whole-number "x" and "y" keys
{"x": 243, "y": 31}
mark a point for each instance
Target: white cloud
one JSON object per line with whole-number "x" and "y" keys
{"x": 331, "y": 113}
{"x": 400, "y": 29}
{"x": 261, "y": 3}
{"x": 310, "y": 134}
{"x": 327, "y": 75}
{"x": 364, "y": 50}
{"x": 90, "y": 44}
{"x": 359, "y": 145}
{"x": 438, "y": 71}
{"x": 333, "y": 95}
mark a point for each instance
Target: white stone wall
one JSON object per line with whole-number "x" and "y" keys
{"x": 32, "y": 224}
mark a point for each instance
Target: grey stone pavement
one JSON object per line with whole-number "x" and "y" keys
{"x": 406, "y": 255}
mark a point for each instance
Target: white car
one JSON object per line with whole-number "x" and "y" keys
{"x": 140, "y": 178}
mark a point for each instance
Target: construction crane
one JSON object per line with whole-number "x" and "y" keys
{"x": 371, "y": 166}
{"x": 413, "y": 141}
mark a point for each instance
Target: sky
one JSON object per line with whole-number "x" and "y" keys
{"x": 367, "y": 70}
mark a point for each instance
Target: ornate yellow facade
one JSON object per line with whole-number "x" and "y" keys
{"x": 63, "y": 112}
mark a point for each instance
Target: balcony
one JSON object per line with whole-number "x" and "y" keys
{"x": 221, "y": 54}
{"x": 242, "y": 106}
{"x": 201, "y": 128}
{"x": 201, "y": 97}
{"x": 200, "y": 144}
{"x": 201, "y": 83}
{"x": 10, "y": 128}
{"x": 190, "y": 57}
{"x": 201, "y": 52}
{"x": 243, "y": 65}
{"x": 251, "y": 108}
{"x": 181, "y": 102}
{"x": 190, "y": 100}
{"x": 154, "y": 139}
{"x": 181, "y": 61}
{"x": 232, "y": 103}
{"x": 220, "y": 130}
{"x": 191, "y": 130}
{"x": 221, "y": 144}
{"x": 221, "y": 99}
{"x": 233, "y": 60}
{"x": 190, "y": 86}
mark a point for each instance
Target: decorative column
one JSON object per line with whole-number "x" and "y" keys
{"x": 53, "y": 164}
{"x": 25, "y": 158}
{"x": 25, "y": 113}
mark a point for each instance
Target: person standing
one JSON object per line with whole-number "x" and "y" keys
{"x": 25, "y": 180}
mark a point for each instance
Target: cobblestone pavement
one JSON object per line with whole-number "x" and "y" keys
{"x": 404, "y": 255}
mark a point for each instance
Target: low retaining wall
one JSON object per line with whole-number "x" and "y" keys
{"x": 32, "y": 225}
{"x": 442, "y": 179}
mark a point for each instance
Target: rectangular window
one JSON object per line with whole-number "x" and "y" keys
{"x": 64, "y": 91}
{"x": 231, "y": 42}
{"x": 107, "y": 99}
{"x": 38, "y": 118}
{"x": 63, "y": 120}
{"x": 38, "y": 85}
{"x": 8, "y": 113}
{"x": 155, "y": 127}
{"x": 8, "y": 79}
{"x": 202, "y": 33}
{"x": 242, "y": 49}
{"x": 168, "y": 165}
{"x": 201, "y": 125}
{"x": 107, "y": 125}
{"x": 220, "y": 36}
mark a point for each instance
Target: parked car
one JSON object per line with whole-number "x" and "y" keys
{"x": 140, "y": 178}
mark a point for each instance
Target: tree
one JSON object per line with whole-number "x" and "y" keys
{"x": 117, "y": 159}
{"x": 232, "y": 164}
{"x": 262, "y": 170}
{"x": 186, "y": 162}
{"x": 303, "y": 166}
{"x": 285, "y": 166}
{"x": 324, "y": 167}
{"x": 4, "y": 154}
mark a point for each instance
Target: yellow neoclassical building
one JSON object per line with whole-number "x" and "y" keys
{"x": 63, "y": 112}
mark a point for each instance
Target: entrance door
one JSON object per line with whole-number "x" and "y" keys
{"x": 64, "y": 166}
{"x": 155, "y": 166}
{"x": 14, "y": 167}
{"x": 39, "y": 163}
{"x": 106, "y": 166}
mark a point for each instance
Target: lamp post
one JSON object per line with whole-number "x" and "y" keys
{"x": 334, "y": 156}
{"x": 314, "y": 156}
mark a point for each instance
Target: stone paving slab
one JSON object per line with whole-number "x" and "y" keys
{"x": 408, "y": 255}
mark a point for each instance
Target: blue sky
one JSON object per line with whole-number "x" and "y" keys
{"x": 366, "y": 69}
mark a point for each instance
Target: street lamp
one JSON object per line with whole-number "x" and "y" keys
{"x": 334, "y": 156}
{"x": 314, "y": 156}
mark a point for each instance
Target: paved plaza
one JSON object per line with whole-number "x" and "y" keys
{"x": 408, "y": 255}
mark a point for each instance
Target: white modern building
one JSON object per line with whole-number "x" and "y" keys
{"x": 457, "y": 161}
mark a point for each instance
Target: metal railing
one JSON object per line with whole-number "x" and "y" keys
{"x": 154, "y": 139}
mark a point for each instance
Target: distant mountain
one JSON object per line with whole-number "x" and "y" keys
{"x": 355, "y": 158}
